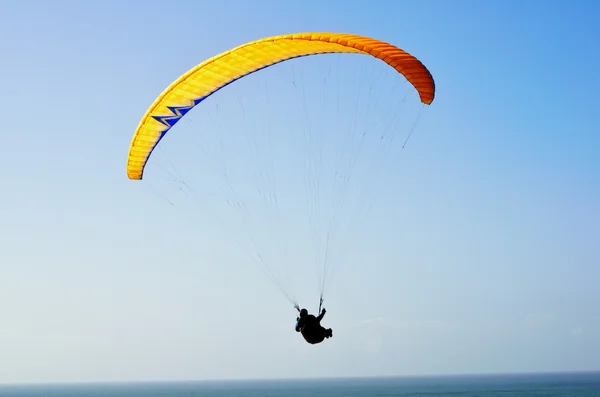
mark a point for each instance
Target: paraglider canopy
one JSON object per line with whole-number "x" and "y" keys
{"x": 213, "y": 74}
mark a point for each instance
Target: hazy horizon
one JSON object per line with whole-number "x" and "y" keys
{"x": 449, "y": 376}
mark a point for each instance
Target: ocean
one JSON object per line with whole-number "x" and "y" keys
{"x": 529, "y": 385}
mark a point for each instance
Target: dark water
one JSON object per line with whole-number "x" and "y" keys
{"x": 547, "y": 385}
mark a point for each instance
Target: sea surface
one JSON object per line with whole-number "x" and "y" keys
{"x": 530, "y": 385}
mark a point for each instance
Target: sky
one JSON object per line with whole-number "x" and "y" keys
{"x": 481, "y": 254}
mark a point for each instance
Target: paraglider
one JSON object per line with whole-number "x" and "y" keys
{"x": 311, "y": 328}
{"x": 202, "y": 81}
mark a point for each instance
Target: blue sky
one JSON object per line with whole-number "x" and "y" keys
{"x": 481, "y": 256}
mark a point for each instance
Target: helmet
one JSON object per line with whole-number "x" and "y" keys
{"x": 303, "y": 313}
